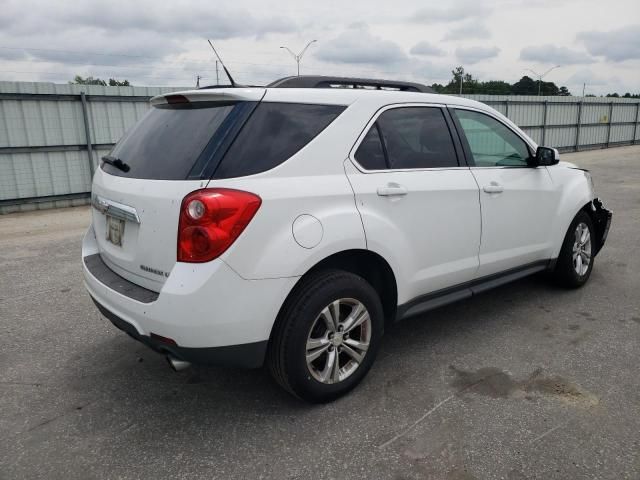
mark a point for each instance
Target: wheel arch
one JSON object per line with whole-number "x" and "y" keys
{"x": 364, "y": 263}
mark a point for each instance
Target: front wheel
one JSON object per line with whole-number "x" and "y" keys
{"x": 327, "y": 336}
{"x": 575, "y": 261}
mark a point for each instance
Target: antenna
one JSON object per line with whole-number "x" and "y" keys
{"x": 233, "y": 83}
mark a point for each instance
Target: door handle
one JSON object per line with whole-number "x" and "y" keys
{"x": 493, "y": 187}
{"x": 392, "y": 190}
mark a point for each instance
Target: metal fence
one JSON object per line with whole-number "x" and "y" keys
{"x": 571, "y": 123}
{"x": 51, "y": 136}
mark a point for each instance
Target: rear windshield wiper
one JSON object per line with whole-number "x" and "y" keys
{"x": 116, "y": 162}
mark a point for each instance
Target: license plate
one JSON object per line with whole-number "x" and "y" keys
{"x": 115, "y": 230}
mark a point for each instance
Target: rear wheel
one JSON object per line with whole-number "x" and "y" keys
{"x": 575, "y": 261}
{"x": 327, "y": 336}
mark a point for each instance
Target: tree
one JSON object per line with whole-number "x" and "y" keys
{"x": 115, "y": 83}
{"x": 525, "y": 86}
{"x": 548, "y": 88}
{"x": 564, "y": 92}
{"x": 494, "y": 87}
{"x": 469, "y": 84}
{"x": 78, "y": 80}
{"x": 614, "y": 95}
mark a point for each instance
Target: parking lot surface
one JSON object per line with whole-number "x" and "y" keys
{"x": 526, "y": 381}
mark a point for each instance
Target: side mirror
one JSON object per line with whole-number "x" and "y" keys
{"x": 546, "y": 156}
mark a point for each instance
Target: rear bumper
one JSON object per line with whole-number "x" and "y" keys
{"x": 211, "y": 314}
{"x": 248, "y": 355}
{"x": 602, "y": 222}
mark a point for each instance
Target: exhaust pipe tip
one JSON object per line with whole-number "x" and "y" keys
{"x": 177, "y": 365}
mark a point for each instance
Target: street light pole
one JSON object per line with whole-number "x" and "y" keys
{"x": 298, "y": 57}
{"x": 540, "y": 77}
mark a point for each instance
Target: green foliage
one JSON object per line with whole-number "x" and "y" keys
{"x": 78, "y": 80}
{"x": 471, "y": 85}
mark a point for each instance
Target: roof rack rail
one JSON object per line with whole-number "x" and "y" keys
{"x": 313, "y": 81}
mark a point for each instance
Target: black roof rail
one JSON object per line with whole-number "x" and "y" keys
{"x": 313, "y": 81}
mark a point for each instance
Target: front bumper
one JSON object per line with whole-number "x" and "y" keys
{"x": 210, "y": 313}
{"x": 602, "y": 223}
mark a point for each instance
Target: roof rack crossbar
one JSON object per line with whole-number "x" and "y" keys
{"x": 312, "y": 81}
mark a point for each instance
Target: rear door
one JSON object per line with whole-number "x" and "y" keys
{"x": 518, "y": 201}
{"x": 419, "y": 206}
{"x": 137, "y": 197}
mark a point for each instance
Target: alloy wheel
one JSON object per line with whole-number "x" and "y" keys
{"x": 338, "y": 340}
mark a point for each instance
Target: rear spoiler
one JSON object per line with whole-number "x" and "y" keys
{"x": 213, "y": 95}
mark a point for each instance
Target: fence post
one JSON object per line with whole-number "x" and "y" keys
{"x": 87, "y": 131}
{"x": 506, "y": 108}
{"x": 609, "y": 128}
{"x": 635, "y": 127}
{"x": 578, "y": 123}
{"x": 544, "y": 122}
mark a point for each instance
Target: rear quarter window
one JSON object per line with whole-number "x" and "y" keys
{"x": 274, "y": 133}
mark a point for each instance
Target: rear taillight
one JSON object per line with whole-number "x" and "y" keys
{"x": 211, "y": 220}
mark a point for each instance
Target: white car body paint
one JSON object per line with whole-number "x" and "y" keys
{"x": 445, "y": 231}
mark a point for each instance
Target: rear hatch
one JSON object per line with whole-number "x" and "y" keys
{"x": 138, "y": 190}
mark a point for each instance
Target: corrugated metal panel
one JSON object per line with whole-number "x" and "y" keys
{"x": 593, "y": 134}
{"x": 595, "y": 114}
{"x": 57, "y": 123}
{"x": 562, "y": 114}
{"x": 534, "y": 132}
{"x": 621, "y": 133}
{"x": 624, "y": 113}
{"x": 561, "y": 136}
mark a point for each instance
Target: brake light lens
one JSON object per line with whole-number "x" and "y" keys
{"x": 211, "y": 220}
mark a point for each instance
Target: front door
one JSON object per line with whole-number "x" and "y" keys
{"x": 518, "y": 201}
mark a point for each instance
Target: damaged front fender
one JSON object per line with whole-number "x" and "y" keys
{"x": 601, "y": 223}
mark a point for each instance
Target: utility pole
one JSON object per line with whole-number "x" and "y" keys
{"x": 460, "y": 84}
{"x": 583, "y": 86}
{"x": 198, "y": 77}
{"x": 298, "y": 57}
{"x": 217, "y": 75}
{"x": 540, "y": 77}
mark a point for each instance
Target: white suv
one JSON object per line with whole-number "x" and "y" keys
{"x": 279, "y": 225}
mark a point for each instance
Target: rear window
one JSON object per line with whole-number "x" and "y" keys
{"x": 274, "y": 133}
{"x": 166, "y": 143}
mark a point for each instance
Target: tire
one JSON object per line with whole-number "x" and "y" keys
{"x": 566, "y": 272}
{"x": 302, "y": 331}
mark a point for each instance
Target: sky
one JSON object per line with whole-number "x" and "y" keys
{"x": 164, "y": 43}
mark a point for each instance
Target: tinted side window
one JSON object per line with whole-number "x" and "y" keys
{"x": 370, "y": 153}
{"x": 417, "y": 137}
{"x": 274, "y": 133}
{"x": 492, "y": 143}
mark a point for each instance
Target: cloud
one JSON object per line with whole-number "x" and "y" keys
{"x": 468, "y": 31}
{"x": 453, "y": 12}
{"x": 426, "y": 49}
{"x": 588, "y": 77}
{"x": 616, "y": 45}
{"x": 84, "y": 47}
{"x": 552, "y": 54}
{"x": 472, "y": 55}
{"x": 122, "y": 18}
{"x": 357, "y": 45}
